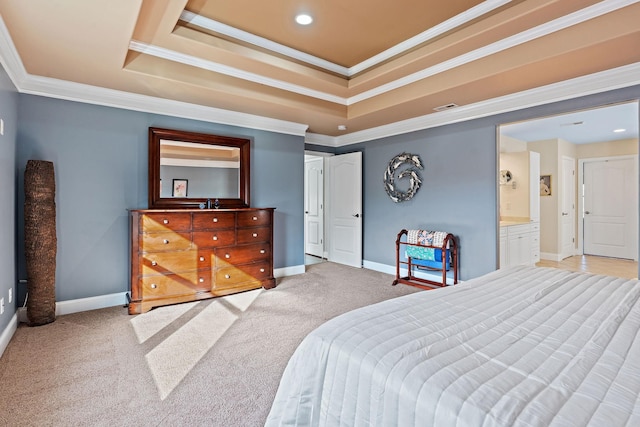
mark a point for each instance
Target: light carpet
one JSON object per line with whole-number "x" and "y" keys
{"x": 216, "y": 362}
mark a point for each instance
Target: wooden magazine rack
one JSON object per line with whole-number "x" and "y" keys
{"x": 449, "y": 261}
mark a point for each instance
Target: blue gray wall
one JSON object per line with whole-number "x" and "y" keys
{"x": 100, "y": 159}
{"x": 100, "y": 155}
{"x": 9, "y": 114}
{"x": 458, "y": 194}
{"x": 459, "y": 191}
{"x": 202, "y": 182}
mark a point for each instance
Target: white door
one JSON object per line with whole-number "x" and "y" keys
{"x": 567, "y": 206}
{"x": 314, "y": 206}
{"x": 610, "y": 212}
{"x": 345, "y": 209}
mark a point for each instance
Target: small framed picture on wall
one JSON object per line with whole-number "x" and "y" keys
{"x": 545, "y": 185}
{"x": 180, "y": 188}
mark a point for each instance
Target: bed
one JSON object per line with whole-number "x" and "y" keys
{"x": 525, "y": 346}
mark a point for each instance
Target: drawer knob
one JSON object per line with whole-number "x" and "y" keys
{"x": 227, "y": 276}
{"x": 166, "y": 221}
{"x": 153, "y": 286}
{"x": 255, "y": 234}
{"x": 262, "y": 251}
{"x": 215, "y": 219}
{"x": 215, "y": 237}
{"x": 154, "y": 263}
{"x": 201, "y": 258}
{"x": 255, "y": 218}
{"x": 227, "y": 256}
{"x": 201, "y": 280}
{"x": 165, "y": 241}
{"x": 262, "y": 270}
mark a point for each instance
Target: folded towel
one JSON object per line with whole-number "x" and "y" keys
{"x": 420, "y": 252}
{"x": 426, "y": 237}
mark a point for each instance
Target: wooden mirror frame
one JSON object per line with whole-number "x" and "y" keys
{"x": 157, "y": 202}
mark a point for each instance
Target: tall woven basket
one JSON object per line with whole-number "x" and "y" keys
{"x": 40, "y": 241}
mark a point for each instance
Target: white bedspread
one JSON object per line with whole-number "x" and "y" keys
{"x": 520, "y": 347}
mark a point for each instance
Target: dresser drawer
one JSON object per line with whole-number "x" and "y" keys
{"x": 156, "y": 263}
{"x": 213, "y": 220}
{"x": 176, "y": 284}
{"x": 254, "y": 218}
{"x": 213, "y": 238}
{"x": 242, "y": 254}
{"x": 229, "y": 276}
{"x": 152, "y": 222}
{"x": 254, "y": 235}
{"x": 154, "y": 242}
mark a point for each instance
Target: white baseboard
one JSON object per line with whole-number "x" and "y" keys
{"x": 120, "y": 298}
{"x": 91, "y": 303}
{"x": 7, "y": 334}
{"x": 551, "y": 256}
{"x": 288, "y": 271}
{"x": 391, "y": 269}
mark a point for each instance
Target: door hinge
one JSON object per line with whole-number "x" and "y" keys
{"x": 573, "y": 240}
{"x": 320, "y": 240}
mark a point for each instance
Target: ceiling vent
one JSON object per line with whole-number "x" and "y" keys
{"x": 446, "y": 107}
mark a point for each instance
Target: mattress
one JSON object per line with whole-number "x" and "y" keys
{"x": 525, "y": 346}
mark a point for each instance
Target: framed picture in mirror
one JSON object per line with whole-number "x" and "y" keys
{"x": 180, "y": 188}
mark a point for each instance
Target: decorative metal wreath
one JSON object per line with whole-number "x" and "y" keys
{"x": 412, "y": 173}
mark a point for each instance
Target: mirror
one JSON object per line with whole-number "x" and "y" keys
{"x": 192, "y": 170}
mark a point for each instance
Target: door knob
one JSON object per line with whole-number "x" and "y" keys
{"x": 306, "y": 212}
{"x": 564, "y": 214}
{"x": 356, "y": 215}
{"x": 587, "y": 212}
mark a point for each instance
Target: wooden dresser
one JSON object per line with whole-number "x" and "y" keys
{"x": 183, "y": 255}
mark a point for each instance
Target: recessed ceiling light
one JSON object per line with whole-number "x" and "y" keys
{"x": 304, "y": 19}
{"x": 342, "y": 127}
{"x": 619, "y": 130}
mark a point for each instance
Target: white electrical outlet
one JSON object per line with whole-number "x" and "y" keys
{"x": 10, "y": 295}
{"x": 1, "y": 305}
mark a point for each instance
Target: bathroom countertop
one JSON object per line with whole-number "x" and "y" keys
{"x": 507, "y": 223}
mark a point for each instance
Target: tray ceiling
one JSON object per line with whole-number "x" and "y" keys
{"x": 361, "y": 64}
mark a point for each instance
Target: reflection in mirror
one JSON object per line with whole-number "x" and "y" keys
{"x": 192, "y": 170}
{"x": 211, "y": 171}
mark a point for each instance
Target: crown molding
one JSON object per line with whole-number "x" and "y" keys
{"x": 425, "y": 36}
{"x": 204, "y": 64}
{"x": 261, "y": 42}
{"x": 547, "y": 28}
{"x": 400, "y": 48}
{"x": 55, "y": 88}
{"x": 9, "y": 57}
{"x": 499, "y": 46}
{"x": 603, "y": 81}
{"x": 25, "y": 83}
{"x": 319, "y": 139}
